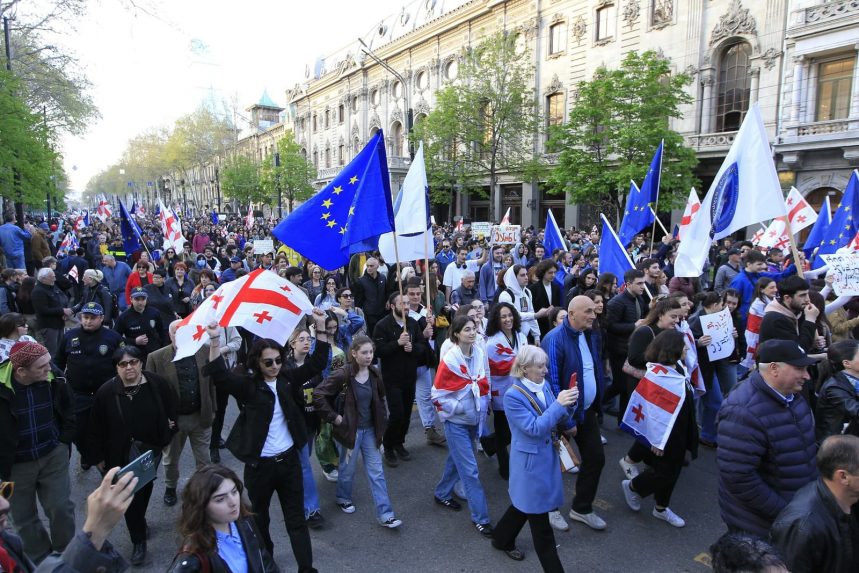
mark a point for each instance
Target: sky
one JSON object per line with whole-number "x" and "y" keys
{"x": 152, "y": 61}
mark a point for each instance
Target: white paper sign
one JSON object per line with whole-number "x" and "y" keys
{"x": 506, "y": 235}
{"x": 481, "y": 228}
{"x": 719, "y": 327}
{"x": 845, "y": 269}
{"x": 262, "y": 246}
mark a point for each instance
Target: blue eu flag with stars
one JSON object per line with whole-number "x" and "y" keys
{"x": 348, "y": 215}
{"x": 844, "y": 222}
{"x": 637, "y": 215}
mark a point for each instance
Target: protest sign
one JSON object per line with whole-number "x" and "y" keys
{"x": 262, "y": 246}
{"x": 481, "y": 228}
{"x": 845, "y": 269}
{"x": 719, "y": 327}
{"x": 505, "y": 235}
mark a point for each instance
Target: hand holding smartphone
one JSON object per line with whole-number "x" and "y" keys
{"x": 143, "y": 468}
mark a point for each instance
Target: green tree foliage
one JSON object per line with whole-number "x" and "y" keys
{"x": 486, "y": 122}
{"x": 614, "y": 127}
{"x": 240, "y": 180}
{"x": 294, "y": 177}
{"x": 196, "y": 139}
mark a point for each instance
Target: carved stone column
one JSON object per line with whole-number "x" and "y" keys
{"x": 798, "y": 78}
{"x": 707, "y": 102}
{"x": 755, "y": 84}
{"x": 854, "y": 103}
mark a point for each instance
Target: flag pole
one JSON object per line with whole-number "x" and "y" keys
{"x": 656, "y": 220}
{"x": 426, "y": 271}
{"x": 794, "y": 249}
{"x": 399, "y": 278}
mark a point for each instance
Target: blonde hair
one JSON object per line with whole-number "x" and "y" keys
{"x": 528, "y": 356}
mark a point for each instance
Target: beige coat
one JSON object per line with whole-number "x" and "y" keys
{"x": 161, "y": 362}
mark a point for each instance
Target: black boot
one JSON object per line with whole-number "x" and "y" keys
{"x": 138, "y": 554}
{"x": 170, "y": 496}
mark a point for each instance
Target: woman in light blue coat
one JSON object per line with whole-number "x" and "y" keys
{"x": 536, "y": 488}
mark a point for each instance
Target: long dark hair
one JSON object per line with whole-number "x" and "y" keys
{"x": 494, "y": 324}
{"x": 9, "y": 322}
{"x": 661, "y": 307}
{"x": 666, "y": 348}
{"x": 256, "y": 351}
{"x": 198, "y": 535}
{"x": 762, "y": 283}
{"x": 358, "y": 341}
{"x": 457, "y": 325}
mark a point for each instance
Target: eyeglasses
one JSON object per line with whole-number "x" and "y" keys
{"x": 346, "y": 295}
{"x": 269, "y": 362}
{"x": 7, "y": 488}
{"x": 23, "y": 325}
{"x": 127, "y": 363}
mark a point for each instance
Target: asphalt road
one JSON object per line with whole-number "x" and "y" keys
{"x": 435, "y": 539}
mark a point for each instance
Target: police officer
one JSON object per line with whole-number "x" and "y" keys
{"x": 141, "y": 325}
{"x": 85, "y": 355}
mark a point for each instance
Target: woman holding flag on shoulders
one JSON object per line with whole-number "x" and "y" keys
{"x": 460, "y": 392}
{"x": 668, "y": 428}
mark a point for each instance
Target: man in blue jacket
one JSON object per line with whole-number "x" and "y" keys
{"x": 12, "y": 240}
{"x": 573, "y": 350}
{"x": 755, "y": 264}
{"x": 116, "y": 275}
{"x": 487, "y": 282}
{"x": 766, "y": 440}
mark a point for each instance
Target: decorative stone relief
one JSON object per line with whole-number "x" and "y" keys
{"x": 736, "y": 21}
{"x": 580, "y": 28}
{"x": 770, "y": 57}
{"x": 690, "y": 70}
{"x": 554, "y": 86}
{"x": 528, "y": 29}
{"x": 397, "y": 115}
{"x": 422, "y": 107}
{"x": 355, "y": 130}
{"x": 375, "y": 122}
{"x": 662, "y": 14}
{"x": 631, "y": 11}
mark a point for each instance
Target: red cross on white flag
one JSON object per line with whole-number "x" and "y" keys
{"x": 774, "y": 233}
{"x": 799, "y": 212}
{"x": 170, "y": 227}
{"x": 103, "y": 210}
{"x": 261, "y": 302}
{"x": 693, "y": 205}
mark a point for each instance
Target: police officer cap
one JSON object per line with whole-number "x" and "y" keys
{"x": 138, "y": 292}
{"x": 92, "y": 308}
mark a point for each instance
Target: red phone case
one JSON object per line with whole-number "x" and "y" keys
{"x": 574, "y": 380}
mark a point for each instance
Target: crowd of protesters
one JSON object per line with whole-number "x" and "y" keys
{"x": 482, "y": 338}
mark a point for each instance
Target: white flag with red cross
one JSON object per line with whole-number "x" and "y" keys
{"x": 775, "y": 235}
{"x": 693, "y": 205}
{"x": 799, "y": 212}
{"x": 260, "y": 302}
{"x": 103, "y": 210}
{"x": 654, "y": 405}
{"x": 249, "y": 220}
{"x": 505, "y": 220}
{"x": 171, "y": 228}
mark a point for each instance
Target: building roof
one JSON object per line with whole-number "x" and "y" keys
{"x": 266, "y": 101}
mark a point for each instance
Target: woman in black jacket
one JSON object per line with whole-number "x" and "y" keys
{"x": 161, "y": 299}
{"x": 212, "y": 511}
{"x": 270, "y": 451}
{"x": 838, "y": 399}
{"x": 181, "y": 289}
{"x": 94, "y": 291}
{"x": 132, "y": 413}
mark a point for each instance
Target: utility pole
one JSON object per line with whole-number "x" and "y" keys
{"x": 277, "y": 185}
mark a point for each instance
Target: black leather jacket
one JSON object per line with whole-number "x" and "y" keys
{"x": 837, "y": 404}
{"x": 813, "y": 533}
{"x": 259, "y": 560}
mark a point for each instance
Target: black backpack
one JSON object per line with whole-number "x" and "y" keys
{"x": 498, "y": 292}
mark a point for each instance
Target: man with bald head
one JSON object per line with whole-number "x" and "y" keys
{"x": 370, "y": 293}
{"x": 574, "y": 358}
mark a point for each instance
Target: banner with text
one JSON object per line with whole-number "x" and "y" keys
{"x": 505, "y": 235}
{"x": 719, "y": 327}
{"x": 845, "y": 269}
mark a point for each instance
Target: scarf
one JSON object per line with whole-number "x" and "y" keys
{"x": 501, "y": 357}
{"x": 753, "y": 329}
{"x": 454, "y": 380}
{"x": 691, "y": 361}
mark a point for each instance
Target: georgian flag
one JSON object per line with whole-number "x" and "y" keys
{"x": 775, "y": 235}
{"x": 501, "y": 357}
{"x": 260, "y": 302}
{"x": 691, "y": 360}
{"x": 505, "y": 220}
{"x": 171, "y": 228}
{"x": 103, "y": 210}
{"x": 693, "y": 205}
{"x": 73, "y": 273}
{"x": 453, "y": 382}
{"x": 69, "y": 243}
{"x": 753, "y": 330}
{"x": 654, "y": 405}
{"x": 799, "y": 212}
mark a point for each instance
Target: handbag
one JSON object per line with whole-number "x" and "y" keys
{"x": 441, "y": 321}
{"x": 567, "y": 456}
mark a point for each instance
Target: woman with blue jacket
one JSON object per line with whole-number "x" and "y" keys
{"x": 535, "y": 487}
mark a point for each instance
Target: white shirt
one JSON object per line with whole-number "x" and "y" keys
{"x": 453, "y": 275}
{"x": 590, "y": 381}
{"x": 278, "y": 439}
{"x": 536, "y": 389}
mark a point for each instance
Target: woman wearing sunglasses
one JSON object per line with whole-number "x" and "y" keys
{"x": 134, "y": 412}
{"x": 270, "y": 430}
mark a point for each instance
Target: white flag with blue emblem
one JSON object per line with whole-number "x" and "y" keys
{"x": 746, "y": 191}
{"x": 411, "y": 217}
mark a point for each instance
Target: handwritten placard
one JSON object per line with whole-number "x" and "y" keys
{"x": 481, "y": 228}
{"x": 262, "y": 246}
{"x": 845, "y": 269}
{"x": 719, "y": 327}
{"x": 506, "y": 235}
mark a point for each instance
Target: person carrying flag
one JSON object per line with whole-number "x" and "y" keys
{"x": 661, "y": 416}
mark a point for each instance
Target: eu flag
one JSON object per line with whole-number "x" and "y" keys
{"x": 553, "y": 239}
{"x": 131, "y": 233}
{"x": 613, "y": 257}
{"x": 843, "y": 227}
{"x": 348, "y": 215}
{"x": 650, "y": 187}
{"x": 215, "y": 218}
{"x": 637, "y": 215}
{"x": 824, "y": 219}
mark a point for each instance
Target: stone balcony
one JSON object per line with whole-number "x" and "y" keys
{"x": 796, "y": 138}
{"x": 824, "y": 15}
{"x": 711, "y": 144}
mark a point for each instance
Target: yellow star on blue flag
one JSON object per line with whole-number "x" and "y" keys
{"x": 833, "y": 236}
{"x": 348, "y": 215}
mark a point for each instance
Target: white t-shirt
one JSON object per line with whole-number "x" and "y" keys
{"x": 453, "y": 275}
{"x": 278, "y": 439}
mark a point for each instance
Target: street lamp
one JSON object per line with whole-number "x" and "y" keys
{"x": 184, "y": 196}
{"x": 277, "y": 185}
{"x": 218, "y": 188}
{"x": 406, "y": 92}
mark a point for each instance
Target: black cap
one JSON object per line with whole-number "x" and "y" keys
{"x": 92, "y": 308}
{"x": 733, "y": 251}
{"x": 786, "y": 351}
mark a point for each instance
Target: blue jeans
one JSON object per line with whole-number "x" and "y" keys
{"x": 365, "y": 442}
{"x": 426, "y": 410}
{"x": 461, "y": 465}
{"x": 311, "y": 495}
{"x": 722, "y": 377}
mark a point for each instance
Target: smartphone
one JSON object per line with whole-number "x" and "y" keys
{"x": 574, "y": 381}
{"x": 144, "y": 469}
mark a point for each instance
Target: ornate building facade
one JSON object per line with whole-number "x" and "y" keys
{"x": 797, "y": 59}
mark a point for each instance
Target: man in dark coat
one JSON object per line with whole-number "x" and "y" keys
{"x": 766, "y": 440}
{"x": 52, "y": 309}
{"x": 370, "y": 293}
{"x": 400, "y": 353}
{"x": 140, "y": 325}
{"x": 791, "y": 316}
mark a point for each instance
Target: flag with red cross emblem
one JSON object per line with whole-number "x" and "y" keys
{"x": 261, "y": 302}
{"x": 654, "y": 405}
{"x": 799, "y": 212}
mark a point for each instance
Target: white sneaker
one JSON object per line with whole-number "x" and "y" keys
{"x": 332, "y": 475}
{"x": 391, "y": 523}
{"x": 669, "y": 516}
{"x": 633, "y": 500}
{"x": 630, "y": 471}
{"x": 575, "y": 470}
{"x": 591, "y": 519}
{"x": 557, "y": 521}
{"x": 603, "y": 440}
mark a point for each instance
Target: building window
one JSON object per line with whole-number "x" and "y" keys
{"x": 374, "y": 97}
{"x": 556, "y": 38}
{"x": 422, "y": 81}
{"x": 316, "y": 159}
{"x": 662, "y": 11}
{"x": 397, "y": 145}
{"x": 397, "y": 90}
{"x": 341, "y": 113}
{"x": 327, "y": 118}
{"x": 606, "y": 22}
{"x": 341, "y": 152}
{"x": 834, "y": 89}
{"x": 554, "y": 115}
{"x": 327, "y": 157}
{"x": 451, "y": 70}
{"x": 314, "y": 122}
{"x": 734, "y": 87}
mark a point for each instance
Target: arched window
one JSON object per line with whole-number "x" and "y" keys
{"x": 397, "y": 145}
{"x": 734, "y": 87}
{"x": 373, "y": 132}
